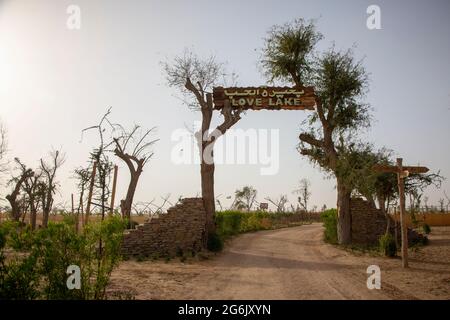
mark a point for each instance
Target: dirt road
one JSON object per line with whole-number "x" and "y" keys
{"x": 290, "y": 263}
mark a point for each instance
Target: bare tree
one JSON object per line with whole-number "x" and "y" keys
{"x": 441, "y": 204}
{"x": 104, "y": 167}
{"x": 3, "y": 148}
{"x": 245, "y": 198}
{"x": 280, "y": 203}
{"x": 448, "y": 200}
{"x": 196, "y": 77}
{"x": 304, "y": 192}
{"x": 48, "y": 185}
{"x": 83, "y": 177}
{"x": 30, "y": 187}
{"x": 13, "y": 197}
{"x": 132, "y": 147}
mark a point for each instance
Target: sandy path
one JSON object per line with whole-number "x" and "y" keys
{"x": 290, "y": 263}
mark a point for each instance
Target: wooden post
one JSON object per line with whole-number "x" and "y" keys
{"x": 113, "y": 194}
{"x": 73, "y": 211}
{"x": 404, "y": 231}
{"x": 402, "y": 173}
{"x": 91, "y": 190}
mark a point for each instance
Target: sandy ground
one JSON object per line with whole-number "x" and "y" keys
{"x": 291, "y": 263}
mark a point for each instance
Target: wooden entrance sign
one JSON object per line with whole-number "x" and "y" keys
{"x": 269, "y": 98}
{"x": 402, "y": 173}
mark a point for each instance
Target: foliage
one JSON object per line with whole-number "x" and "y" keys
{"x": 245, "y": 198}
{"x": 304, "y": 193}
{"x": 215, "y": 242}
{"x": 233, "y": 222}
{"x": 41, "y": 271}
{"x": 329, "y": 218}
{"x": 387, "y": 245}
{"x": 287, "y": 52}
{"x": 426, "y": 228}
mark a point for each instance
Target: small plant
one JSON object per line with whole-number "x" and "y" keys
{"x": 387, "y": 245}
{"x": 215, "y": 242}
{"x": 329, "y": 219}
{"x": 140, "y": 258}
{"x": 426, "y": 228}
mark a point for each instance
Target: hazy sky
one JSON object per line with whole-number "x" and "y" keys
{"x": 54, "y": 81}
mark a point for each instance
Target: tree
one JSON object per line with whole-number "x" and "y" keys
{"x": 448, "y": 200}
{"x": 279, "y": 203}
{"x": 304, "y": 193}
{"x": 195, "y": 77}
{"x": 83, "y": 177}
{"x": 3, "y": 148}
{"x": 245, "y": 198}
{"x": 30, "y": 186}
{"x": 339, "y": 84}
{"x": 355, "y": 167}
{"x": 15, "y": 193}
{"x": 132, "y": 148}
{"x": 441, "y": 205}
{"x": 103, "y": 167}
{"x": 48, "y": 185}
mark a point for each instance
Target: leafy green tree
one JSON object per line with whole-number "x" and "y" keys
{"x": 339, "y": 82}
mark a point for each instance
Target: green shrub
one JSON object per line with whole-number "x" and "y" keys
{"x": 19, "y": 277}
{"x": 426, "y": 228}
{"x": 215, "y": 242}
{"x": 421, "y": 240}
{"x": 329, "y": 219}
{"x": 41, "y": 272}
{"x": 387, "y": 245}
{"x": 230, "y": 223}
{"x": 19, "y": 237}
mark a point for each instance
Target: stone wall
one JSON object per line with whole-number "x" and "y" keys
{"x": 180, "y": 230}
{"x": 369, "y": 223}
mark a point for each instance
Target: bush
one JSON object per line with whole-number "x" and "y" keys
{"x": 42, "y": 272}
{"x": 329, "y": 219}
{"x": 18, "y": 277}
{"x": 387, "y": 245}
{"x": 19, "y": 237}
{"x": 215, "y": 242}
{"x": 230, "y": 223}
{"x": 426, "y": 228}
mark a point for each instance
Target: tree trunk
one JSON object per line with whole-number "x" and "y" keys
{"x": 15, "y": 208}
{"x": 33, "y": 215}
{"x": 207, "y": 176}
{"x": 45, "y": 214}
{"x": 128, "y": 202}
{"x": 382, "y": 205}
{"x": 344, "y": 223}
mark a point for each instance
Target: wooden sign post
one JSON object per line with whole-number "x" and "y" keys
{"x": 268, "y": 98}
{"x": 402, "y": 173}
